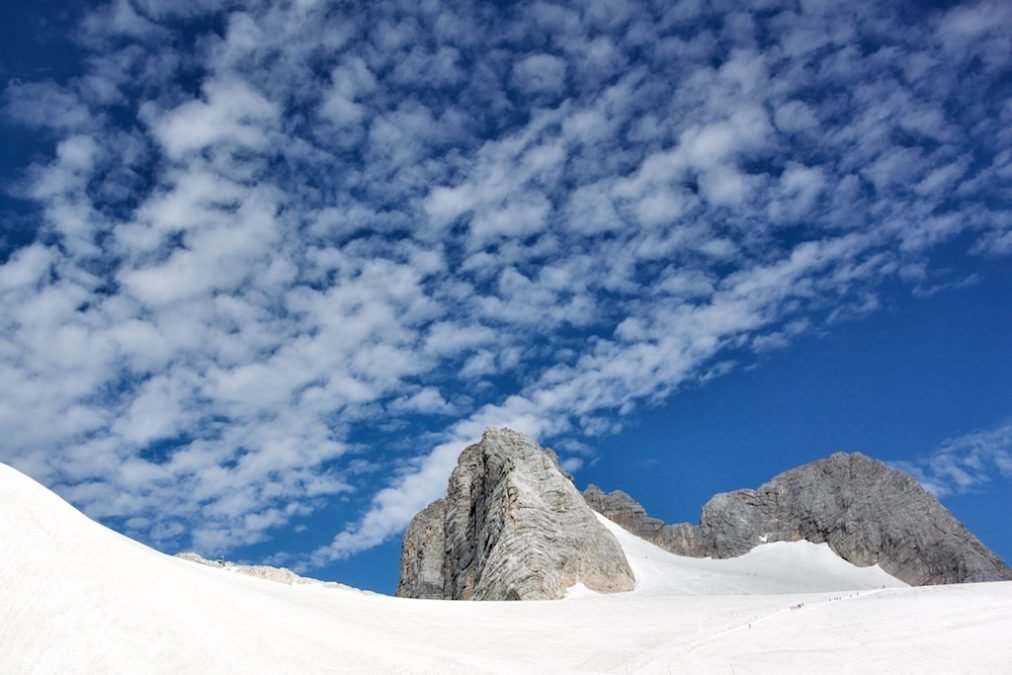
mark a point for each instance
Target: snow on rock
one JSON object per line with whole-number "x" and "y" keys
{"x": 868, "y": 514}
{"x": 780, "y": 567}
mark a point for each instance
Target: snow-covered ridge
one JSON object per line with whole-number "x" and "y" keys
{"x": 76, "y": 597}
{"x": 281, "y": 575}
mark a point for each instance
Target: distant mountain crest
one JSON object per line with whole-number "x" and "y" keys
{"x": 867, "y": 513}
{"x": 513, "y": 526}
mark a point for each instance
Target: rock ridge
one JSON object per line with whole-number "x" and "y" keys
{"x": 867, "y": 513}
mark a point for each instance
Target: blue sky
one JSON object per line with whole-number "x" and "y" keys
{"x": 266, "y": 268}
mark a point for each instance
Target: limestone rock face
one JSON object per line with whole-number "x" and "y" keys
{"x": 620, "y": 508}
{"x": 512, "y": 527}
{"x": 422, "y": 554}
{"x": 866, "y": 512}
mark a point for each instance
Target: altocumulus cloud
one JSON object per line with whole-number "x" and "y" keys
{"x": 265, "y": 228}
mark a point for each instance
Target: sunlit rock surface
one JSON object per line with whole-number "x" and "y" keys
{"x": 512, "y": 527}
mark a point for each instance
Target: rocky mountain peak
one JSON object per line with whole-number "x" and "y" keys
{"x": 511, "y": 527}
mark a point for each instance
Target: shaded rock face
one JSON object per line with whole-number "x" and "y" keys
{"x": 617, "y": 506}
{"x": 866, "y": 512}
{"x": 422, "y": 558}
{"x": 512, "y": 527}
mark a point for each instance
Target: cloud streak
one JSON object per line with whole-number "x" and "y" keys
{"x": 966, "y": 463}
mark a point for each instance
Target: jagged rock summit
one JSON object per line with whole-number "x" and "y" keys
{"x": 866, "y": 512}
{"x": 512, "y": 527}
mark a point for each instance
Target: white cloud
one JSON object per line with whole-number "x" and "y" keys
{"x": 230, "y": 114}
{"x": 46, "y": 104}
{"x": 118, "y": 18}
{"x": 157, "y": 411}
{"x": 540, "y": 74}
{"x": 798, "y": 189}
{"x": 254, "y": 244}
{"x": 572, "y": 464}
{"x": 425, "y": 400}
{"x": 795, "y": 117}
{"x": 26, "y": 267}
{"x": 351, "y": 81}
{"x": 966, "y": 463}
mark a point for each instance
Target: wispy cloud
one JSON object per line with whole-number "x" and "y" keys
{"x": 265, "y": 229}
{"x": 966, "y": 463}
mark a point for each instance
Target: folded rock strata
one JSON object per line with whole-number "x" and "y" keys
{"x": 512, "y": 527}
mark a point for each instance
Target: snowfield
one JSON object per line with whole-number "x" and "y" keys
{"x": 781, "y": 567}
{"x": 76, "y": 597}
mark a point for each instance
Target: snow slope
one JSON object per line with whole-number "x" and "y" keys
{"x": 781, "y": 567}
{"x": 76, "y": 597}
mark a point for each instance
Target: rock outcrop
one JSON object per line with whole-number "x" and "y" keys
{"x": 617, "y": 506}
{"x": 512, "y": 527}
{"x": 866, "y": 512}
{"x": 280, "y": 575}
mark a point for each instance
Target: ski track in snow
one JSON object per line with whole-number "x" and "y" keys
{"x": 76, "y": 597}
